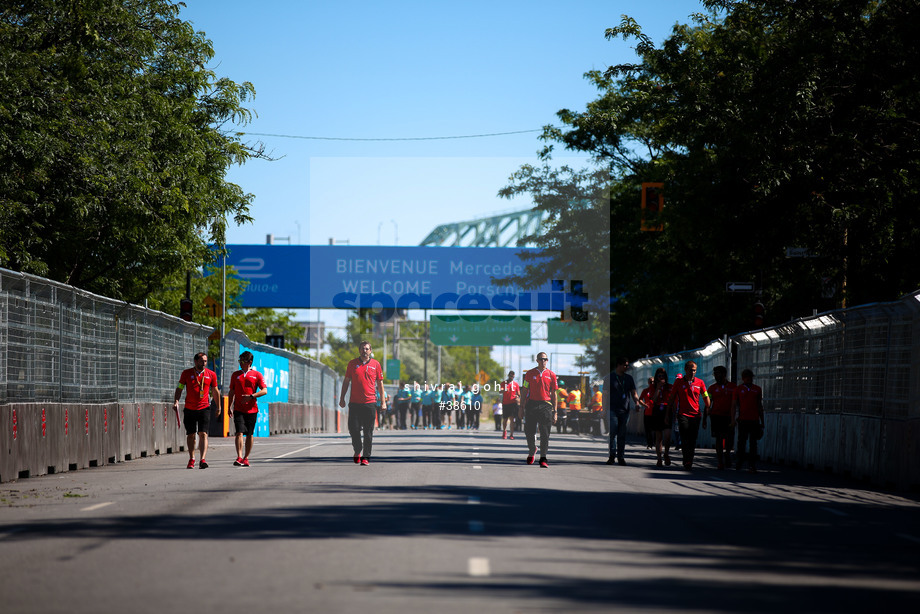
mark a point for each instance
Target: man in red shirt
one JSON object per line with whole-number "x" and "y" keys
{"x": 748, "y": 414}
{"x": 511, "y": 404}
{"x": 539, "y": 397}
{"x": 246, "y": 385}
{"x": 200, "y": 385}
{"x": 722, "y": 393}
{"x": 364, "y": 374}
{"x": 685, "y": 400}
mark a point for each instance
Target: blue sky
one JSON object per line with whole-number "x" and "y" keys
{"x": 412, "y": 70}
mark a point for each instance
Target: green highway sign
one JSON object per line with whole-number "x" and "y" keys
{"x": 567, "y": 332}
{"x": 480, "y": 330}
{"x": 393, "y": 367}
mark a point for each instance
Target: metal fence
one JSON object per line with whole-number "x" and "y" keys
{"x": 841, "y": 389}
{"x": 311, "y": 383}
{"x": 63, "y": 345}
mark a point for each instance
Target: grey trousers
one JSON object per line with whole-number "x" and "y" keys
{"x": 538, "y": 414}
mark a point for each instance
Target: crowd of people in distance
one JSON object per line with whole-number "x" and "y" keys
{"x": 425, "y": 407}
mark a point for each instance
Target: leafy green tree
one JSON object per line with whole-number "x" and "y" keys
{"x": 114, "y": 143}
{"x": 206, "y": 292}
{"x": 772, "y": 125}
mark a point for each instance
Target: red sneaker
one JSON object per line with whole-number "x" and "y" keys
{"x": 191, "y": 464}
{"x": 203, "y": 464}
{"x": 365, "y": 461}
{"x": 238, "y": 462}
{"x": 244, "y": 462}
{"x": 357, "y": 459}
{"x": 504, "y": 434}
{"x": 530, "y": 460}
{"x": 511, "y": 436}
{"x": 543, "y": 463}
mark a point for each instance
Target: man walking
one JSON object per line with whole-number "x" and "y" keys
{"x": 748, "y": 414}
{"x": 363, "y": 374}
{"x": 511, "y": 405}
{"x": 246, "y": 385}
{"x": 685, "y": 400}
{"x": 539, "y": 397}
{"x": 619, "y": 387}
{"x": 722, "y": 395}
{"x": 200, "y": 385}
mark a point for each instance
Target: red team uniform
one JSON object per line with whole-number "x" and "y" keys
{"x": 242, "y": 384}
{"x": 364, "y": 378}
{"x": 197, "y": 388}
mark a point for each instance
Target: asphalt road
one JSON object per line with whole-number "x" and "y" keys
{"x": 448, "y": 522}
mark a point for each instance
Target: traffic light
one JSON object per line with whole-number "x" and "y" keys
{"x": 652, "y": 204}
{"x": 185, "y": 309}
{"x": 759, "y": 313}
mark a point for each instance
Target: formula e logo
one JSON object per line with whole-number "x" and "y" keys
{"x": 248, "y": 268}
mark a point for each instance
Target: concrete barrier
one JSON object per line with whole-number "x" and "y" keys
{"x": 299, "y": 418}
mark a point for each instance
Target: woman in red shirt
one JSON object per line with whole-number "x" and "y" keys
{"x": 645, "y": 401}
{"x": 661, "y": 418}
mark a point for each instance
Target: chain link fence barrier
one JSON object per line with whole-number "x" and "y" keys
{"x": 59, "y": 344}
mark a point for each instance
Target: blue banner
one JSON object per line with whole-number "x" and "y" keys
{"x": 388, "y": 277}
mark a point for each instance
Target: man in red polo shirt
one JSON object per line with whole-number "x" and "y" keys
{"x": 685, "y": 400}
{"x": 539, "y": 407}
{"x": 722, "y": 393}
{"x": 200, "y": 385}
{"x": 363, "y": 374}
{"x": 748, "y": 414}
{"x": 246, "y": 385}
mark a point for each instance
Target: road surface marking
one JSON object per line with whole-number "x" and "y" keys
{"x": 477, "y": 466}
{"x": 268, "y": 460}
{"x": 473, "y": 500}
{"x": 98, "y": 506}
{"x": 479, "y": 566}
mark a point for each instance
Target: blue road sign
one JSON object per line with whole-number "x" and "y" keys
{"x": 384, "y": 277}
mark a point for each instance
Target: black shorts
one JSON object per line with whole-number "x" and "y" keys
{"x": 245, "y": 423}
{"x": 511, "y": 411}
{"x": 196, "y": 420}
{"x": 657, "y": 420}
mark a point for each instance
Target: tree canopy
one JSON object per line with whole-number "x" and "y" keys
{"x": 772, "y": 125}
{"x": 114, "y": 142}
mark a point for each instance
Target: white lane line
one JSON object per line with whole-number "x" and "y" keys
{"x": 473, "y": 501}
{"x": 476, "y": 526}
{"x": 294, "y": 452}
{"x": 98, "y": 506}
{"x": 911, "y": 538}
{"x": 833, "y": 511}
{"x": 478, "y": 566}
{"x": 475, "y": 453}
{"x": 477, "y": 466}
